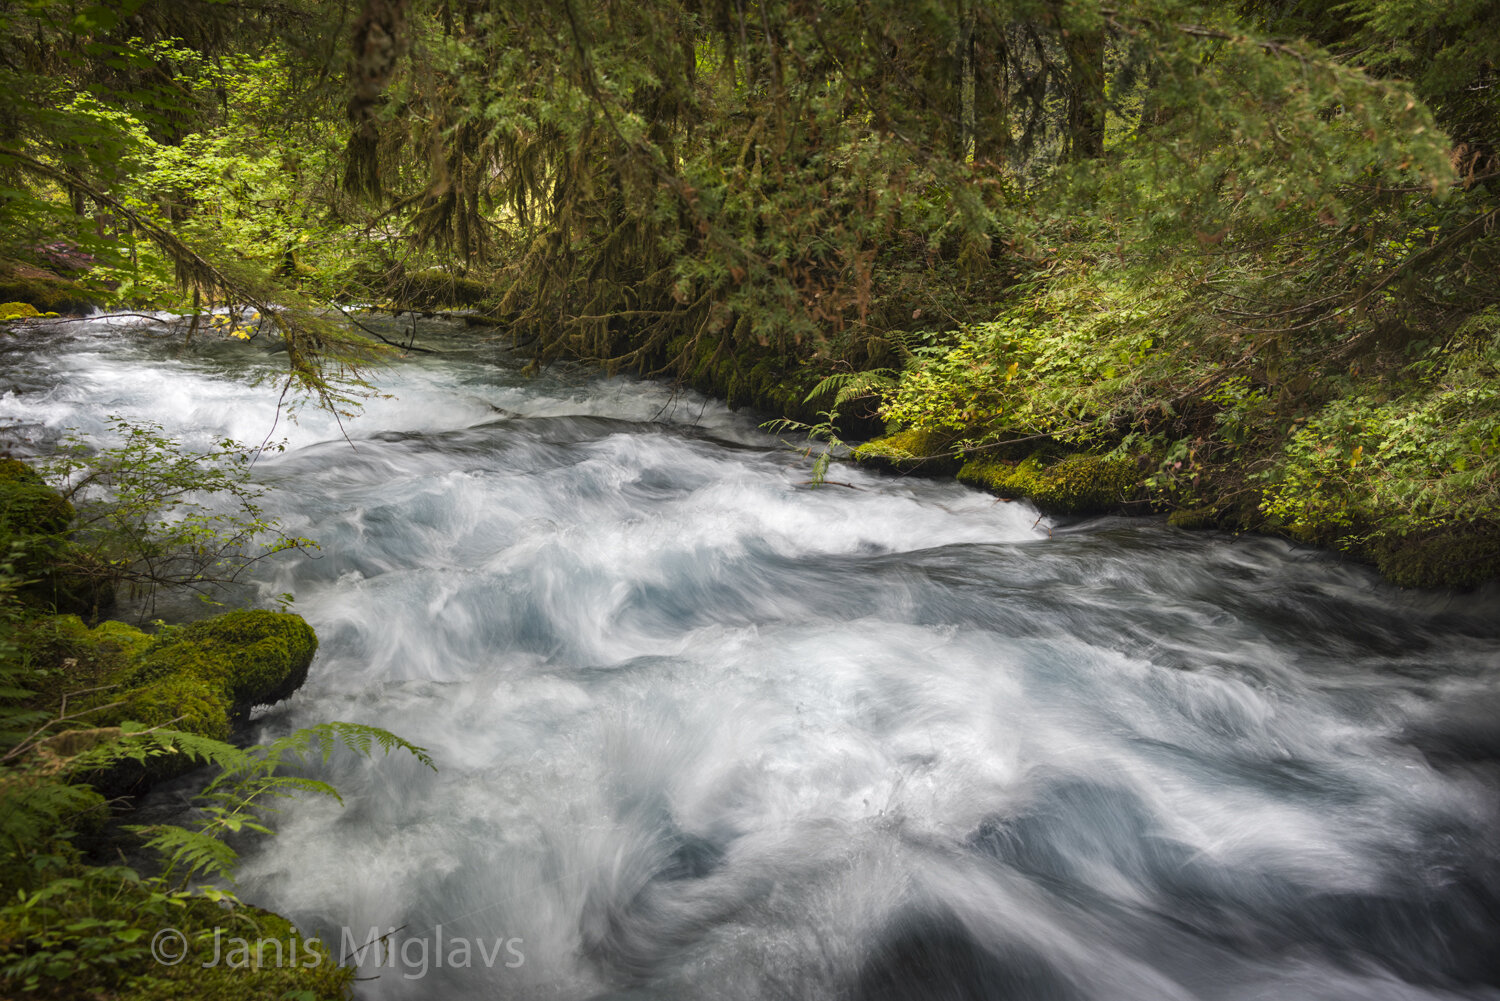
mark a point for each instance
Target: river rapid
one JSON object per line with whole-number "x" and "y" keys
{"x": 704, "y": 732}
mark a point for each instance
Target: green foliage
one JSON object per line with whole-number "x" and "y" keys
{"x": 70, "y": 928}
{"x": 150, "y": 162}
{"x": 1391, "y": 464}
{"x": 152, "y": 515}
{"x": 239, "y": 796}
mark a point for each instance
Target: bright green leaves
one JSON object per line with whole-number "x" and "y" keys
{"x": 152, "y": 515}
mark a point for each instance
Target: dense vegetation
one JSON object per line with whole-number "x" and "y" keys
{"x": 93, "y": 714}
{"x": 1250, "y": 250}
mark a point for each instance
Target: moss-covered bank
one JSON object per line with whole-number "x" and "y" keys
{"x": 43, "y": 290}
{"x": 1075, "y": 484}
{"x": 1081, "y": 483}
{"x": 34, "y": 524}
{"x": 202, "y": 678}
{"x": 83, "y": 926}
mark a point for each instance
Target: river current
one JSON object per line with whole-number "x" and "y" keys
{"x": 703, "y": 731}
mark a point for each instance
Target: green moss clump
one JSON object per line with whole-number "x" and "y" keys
{"x": 1077, "y": 484}
{"x": 69, "y": 655}
{"x": 906, "y": 449}
{"x": 182, "y": 702}
{"x": 212, "y": 672}
{"x": 120, "y": 637}
{"x": 17, "y": 311}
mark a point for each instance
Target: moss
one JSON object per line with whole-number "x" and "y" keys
{"x": 319, "y": 978}
{"x": 212, "y": 672}
{"x": 17, "y": 311}
{"x": 1191, "y": 519}
{"x": 908, "y": 450}
{"x": 1463, "y": 556}
{"x": 1076, "y": 484}
{"x": 65, "y": 656}
{"x": 182, "y": 702}
{"x": 1008, "y": 479}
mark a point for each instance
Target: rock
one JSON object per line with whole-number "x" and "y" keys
{"x": 1076, "y": 484}
{"x": 907, "y": 450}
{"x": 207, "y": 676}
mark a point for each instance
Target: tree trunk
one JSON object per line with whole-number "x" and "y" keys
{"x": 1084, "y": 45}
{"x": 966, "y": 82}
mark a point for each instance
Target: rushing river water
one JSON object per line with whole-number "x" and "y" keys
{"x": 704, "y": 732}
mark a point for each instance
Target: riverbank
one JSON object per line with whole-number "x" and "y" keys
{"x": 1107, "y": 390}
{"x": 74, "y": 923}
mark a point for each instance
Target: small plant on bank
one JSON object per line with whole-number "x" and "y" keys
{"x": 153, "y": 515}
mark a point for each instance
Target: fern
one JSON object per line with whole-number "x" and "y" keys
{"x": 237, "y": 799}
{"x": 854, "y": 385}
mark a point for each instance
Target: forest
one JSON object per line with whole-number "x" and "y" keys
{"x": 1245, "y": 255}
{"x": 1237, "y": 265}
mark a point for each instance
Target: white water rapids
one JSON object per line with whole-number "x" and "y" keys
{"x": 704, "y": 732}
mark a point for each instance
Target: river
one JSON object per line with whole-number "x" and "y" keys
{"x": 702, "y": 731}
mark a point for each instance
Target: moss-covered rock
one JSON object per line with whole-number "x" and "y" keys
{"x": 17, "y": 311}
{"x": 209, "y": 674}
{"x": 1076, "y": 484}
{"x": 204, "y": 676}
{"x": 437, "y": 289}
{"x": 907, "y": 450}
